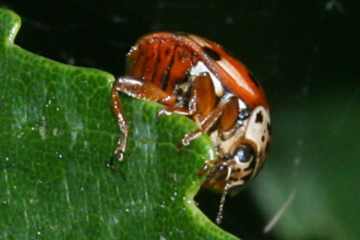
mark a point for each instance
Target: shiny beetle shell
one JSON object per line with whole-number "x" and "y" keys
{"x": 196, "y": 77}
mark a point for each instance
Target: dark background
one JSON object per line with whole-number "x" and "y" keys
{"x": 295, "y": 49}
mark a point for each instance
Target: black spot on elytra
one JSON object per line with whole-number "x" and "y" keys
{"x": 254, "y": 79}
{"x": 211, "y": 53}
{"x": 259, "y": 117}
{"x": 262, "y": 138}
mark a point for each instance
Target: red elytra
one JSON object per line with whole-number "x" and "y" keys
{"x": 232, "y": 73}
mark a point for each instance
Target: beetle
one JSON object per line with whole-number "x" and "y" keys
{"x": 196, "y": 77}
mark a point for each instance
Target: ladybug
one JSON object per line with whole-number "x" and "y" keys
{"x": 192, "y": 76}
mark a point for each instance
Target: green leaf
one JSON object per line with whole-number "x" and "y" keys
{"x": 57, "y": 132}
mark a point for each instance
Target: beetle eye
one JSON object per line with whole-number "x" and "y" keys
{"x": 244, "y": 154}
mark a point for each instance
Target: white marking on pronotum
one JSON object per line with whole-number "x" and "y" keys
{"x": 242, "y": 104}
{"x": 275, "y": 219}
{"x": 239, "y": 79}
{"x": 201, "y": 68}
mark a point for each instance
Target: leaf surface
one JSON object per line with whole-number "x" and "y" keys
{"x": 57, "y": 132}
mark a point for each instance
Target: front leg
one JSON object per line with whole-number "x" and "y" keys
{"x": 123, "y": 126}
{"x": 140, "y": 90}
{"x": 222, "y": 117}
{"x": 203, "y": 106}
{"x": 205, "y": 126}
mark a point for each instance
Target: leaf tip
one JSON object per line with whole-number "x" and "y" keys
{"x": 10, "y": 24}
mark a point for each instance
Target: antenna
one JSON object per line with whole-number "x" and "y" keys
{"x": 220, "y": 213}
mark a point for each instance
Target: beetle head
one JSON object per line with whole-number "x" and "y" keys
{"x": 243, "y": 154}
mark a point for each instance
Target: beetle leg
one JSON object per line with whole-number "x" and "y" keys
{"x": 167, "y": 111}
{"x": 205, "y": 126}
{"x": 137, "y": 89}
{"x": 123, "y": 126}
{"x": 225, "y": 114}
{"x": 203, "y": 105}
{"x": 143, "y": 90}
{"x": 202, "y": 100}
{"x": 189, "y": 111}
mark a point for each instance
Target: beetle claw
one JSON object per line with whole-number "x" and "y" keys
{"x": 184, "y": 142}
{"x": 188, "y": 138}
{"x": 120, "y": 156}
{"x": 116, "y": 157}
{"x": 111, "y": 163}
